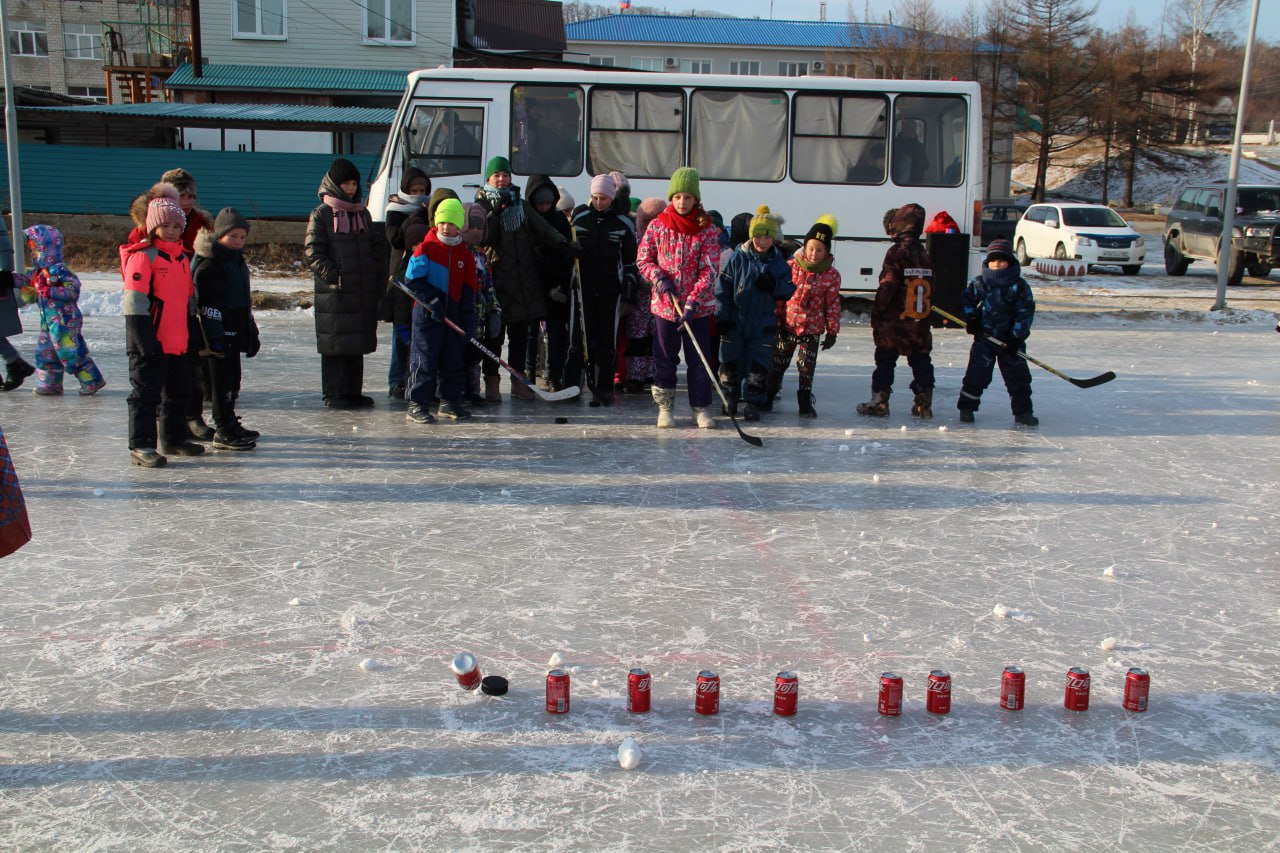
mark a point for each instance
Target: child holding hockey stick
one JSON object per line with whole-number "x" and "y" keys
{"x": 999, "y": 304}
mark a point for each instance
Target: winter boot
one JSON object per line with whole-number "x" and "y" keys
{"x": 418, "y": 414}
{"x": 199, "y": 430}
{"x": 702, "y": 418}
{"x": 751, "y": 412}
{"x": 877, "y": 406}
{"x": 491, "y": 393}
{"x": 454, "y": 410}
{"x": 1026, "y": 419}
{"x": 521, "y": 391}
{"x": 474, "y": 396}
{"x": 923, "y": 407}
{"x": 184, "y": 448}
{"x": 666, "y": 400}
{"x": 966, "y": 416}
{"x": 228, "y": 440}
{"x": 147, "y": 457}
{"x": 732, "y": 408}
{"x": 805, "y": 398}
{"x": 16, "y": 373}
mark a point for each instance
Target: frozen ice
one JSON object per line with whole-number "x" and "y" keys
{"x": 156, "y": 695}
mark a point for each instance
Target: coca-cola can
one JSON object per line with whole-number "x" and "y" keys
{"x": 557, "y": 692}
{"x": 890, "y": 704}
{"x": 1137, "y": 684}
{"x": 465, "y": 670}
{"x": 1013, "y": 686}
{"x": 1077, "y": 698}
{"x": 786, "y": 694}
{"x": 638, "y": 684}
{"x": 938, "y": 698}
{"x": 706, "y": 699}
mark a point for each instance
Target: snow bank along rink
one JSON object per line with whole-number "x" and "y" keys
{"x": 182, "y": 648}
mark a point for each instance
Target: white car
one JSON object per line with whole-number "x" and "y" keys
{"x": 1093, "y": 233}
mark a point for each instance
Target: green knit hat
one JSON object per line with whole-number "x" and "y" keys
{"x": 763, "y": 224}
{"x": 497, "y": 163}
{"x": 685, "y": 180}
{"x": 450, "y": 210}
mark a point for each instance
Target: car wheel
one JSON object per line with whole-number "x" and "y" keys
{"x": 1023, "y": 257}
{"x": 1131, "y": 269}
{"x": 1235, "y": 268}
{"x": 1259, "y": 269}
{"x": 1060, "y": 252}
{"x": 1174, "y": 261}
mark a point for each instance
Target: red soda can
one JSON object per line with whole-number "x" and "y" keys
{"x": 707, "y": 698}
{"x": 465, "y": 670}
{"x": 1077, "y": 698}
{"x": 1136, "y": 686}
{"x": 1013, "y": 686}
{"x": 890, "y": 704}
{"x": 638, "y": 684}
{"x": 786, "y": 694}
{"x": 938, "y": 698}
{"x": 557, "y": 692}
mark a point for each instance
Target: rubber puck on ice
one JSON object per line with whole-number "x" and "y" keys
{"x": 493, "y": 685}
{"x": 562, "y": 420}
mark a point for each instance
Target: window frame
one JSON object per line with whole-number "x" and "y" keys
{"x": 895, "y": 117}
{"x": 589, "y": 117}
{"x": 710, "y": 65}
{"x": 694, "y": 91}
{"x": 17, "y": 29}
{"x": 841, "y": 97}
{"x": 741, "y": 62}
{"x": 387, "y": 41}
{"x": 513, "y": 105}
{"x": 94, "y": 40}
{"x": 258, "y": 34}
{"x": 639, "y": 63}
{"x": 786, "y": 66}
{"x": 602, "y": 61}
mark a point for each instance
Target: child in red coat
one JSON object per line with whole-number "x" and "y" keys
{"x": 811, "y": 313}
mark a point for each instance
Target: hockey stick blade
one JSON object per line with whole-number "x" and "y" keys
{"x": 753, "y": 440}
{"x": 1100, "y": 379}
{"x": 549, "y": 396}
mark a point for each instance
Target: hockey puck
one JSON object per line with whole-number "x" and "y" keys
{"x": 562, "y": 420}
{"x": 493, "y": 685}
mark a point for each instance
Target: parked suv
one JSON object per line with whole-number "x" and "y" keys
{"x": 1193, "y": 230}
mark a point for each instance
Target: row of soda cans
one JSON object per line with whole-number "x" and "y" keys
{"x": 786, "y": 690}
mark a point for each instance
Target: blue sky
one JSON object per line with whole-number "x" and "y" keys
{"x": 1111, "y": 13}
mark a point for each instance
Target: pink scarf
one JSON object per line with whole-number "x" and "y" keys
{"x": 343, "y": 220}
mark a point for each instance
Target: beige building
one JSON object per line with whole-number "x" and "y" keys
{"x": 58, "y": 45}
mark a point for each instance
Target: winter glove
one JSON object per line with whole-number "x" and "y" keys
{"x": 493, "y": 325}
{"x": 765, "y": 282}
{"x": 829, "y": 341}
{"x": 973, "y": 327}
{"x": 569, "y": 251}
{"x": 666, "y": 286}
{"x": 558, "y": 295}
{"x": 255, "y": 345}
{"x": 404, "y": 333}
{"x": 434, "y": 306}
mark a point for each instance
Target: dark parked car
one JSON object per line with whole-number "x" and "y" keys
{"x": 1193, "y": 230}
{"x": 998, "y": 221}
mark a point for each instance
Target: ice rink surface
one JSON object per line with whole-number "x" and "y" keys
{"x": 181, "y": 649}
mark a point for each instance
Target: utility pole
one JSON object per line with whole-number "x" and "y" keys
{"x": 1225, "y": 249}
{"x": 11, "y": 141}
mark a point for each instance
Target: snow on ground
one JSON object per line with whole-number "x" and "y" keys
{"x": 1153, "y": 184}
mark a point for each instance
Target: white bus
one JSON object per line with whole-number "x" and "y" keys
{"x": 802, "y": 145}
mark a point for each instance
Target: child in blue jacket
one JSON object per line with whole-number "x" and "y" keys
{"x": 754, "y": 280}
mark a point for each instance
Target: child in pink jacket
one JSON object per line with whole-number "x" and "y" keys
{"x": 680, "y": 258}
{"x": 813, "y": 312}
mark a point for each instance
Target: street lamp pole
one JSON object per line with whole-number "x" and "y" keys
{"x": 11, "y": 140}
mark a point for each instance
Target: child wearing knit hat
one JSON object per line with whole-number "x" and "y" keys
{"x": 442, "y": 275}
{"x": 225, "y": 312}
{"x": 158, "y": 293}
{"x": 680, "y": 258}
{"x": 812, "y": 312}
{"x": 754, "y": 281}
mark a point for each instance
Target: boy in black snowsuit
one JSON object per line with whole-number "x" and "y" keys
{"x": 555, "y": 270}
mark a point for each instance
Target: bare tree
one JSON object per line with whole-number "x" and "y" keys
{"x": 1196, "y": 19}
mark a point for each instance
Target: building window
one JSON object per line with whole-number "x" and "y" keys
{"x": 695, "y": 66}
{"x": 90, "y": 93}
{"x": 843, "y": 69}
{"x": 646, "y": 63}
{"x": 638, "y": 132}
{"x": 749, "y": 68}
{"x": 27, "y": 39}
{"x": 82, "y": 41}
{"x": 793, "y": 69}
{"x": 839, "y": 139}
{"x": 602, "y": 61}
{"x": 720, "y": 120}
{"x": 260, "y": 18}
{"x": 546, "y": 130}
{"x": 388, "y": 21}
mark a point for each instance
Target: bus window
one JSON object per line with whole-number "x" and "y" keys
{"x": 637, "y": 132}
{"x": 738, "y": 136}
{"x": 546, "y": 130}
{"x": 839, "y": 140}
{"x": 445, "y": 140}
{"x": 930, "y": 138}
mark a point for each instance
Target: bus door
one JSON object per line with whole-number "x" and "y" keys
{"x": 445, "y": 137}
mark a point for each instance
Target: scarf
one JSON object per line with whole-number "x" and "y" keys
{"x": 343, "y": 220}
{"x": 693, "y": 223}
{"x": 449, "y": 241}
{"x": 1002, "y": 278}
{"x": 820, "y": 267}
{"x": 506, "y": 203}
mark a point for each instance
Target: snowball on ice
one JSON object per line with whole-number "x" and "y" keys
{"x": 1108, "y": 644}
{"x": 97, "y": 493}
{"x": 1000, "y": 611}
{"x": 875, "y": 478}
{"x": 370, "y": 664}
{"x": 943, "y": 428}
{"x": 1044, "y": 549}
{"x": 295, "y": 602}
{"x": 844, "y": 448}
{"x": 629, "y": 754}
{"x": 1109, "y": 571}
{"x": 556, "y": 659}
{"x": 867, "y": 638}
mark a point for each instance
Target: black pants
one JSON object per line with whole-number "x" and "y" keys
{"x": 224, "y": 385}
{"x": 887, "y": 359}
{"x": 520, "y": 337}
{"x": 341, "y": 376}
{"x": 161, "y": 385}
{"x": 983, "y": 357}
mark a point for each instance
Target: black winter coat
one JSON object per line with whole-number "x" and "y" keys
{"x": 520, "y": 289}
{"x": 608, "y": 249}
{"x": 350, "y": 275}
{"x": 223, "y": 300}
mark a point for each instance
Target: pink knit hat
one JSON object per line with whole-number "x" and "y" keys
{"x": 164, "y": 211}
{"x": 604, "y": 185}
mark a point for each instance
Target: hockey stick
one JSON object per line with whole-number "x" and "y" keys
{"x": 753, "y": 440}
{"x": 550, "y": 396}
{"x": 1100, "y": 379}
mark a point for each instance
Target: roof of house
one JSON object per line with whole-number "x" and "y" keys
{"x": 332, "y": 80}
{"x": 238, "y": 113}
{"x": 522, "y": 25}
{"x": 684, "y": 29}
